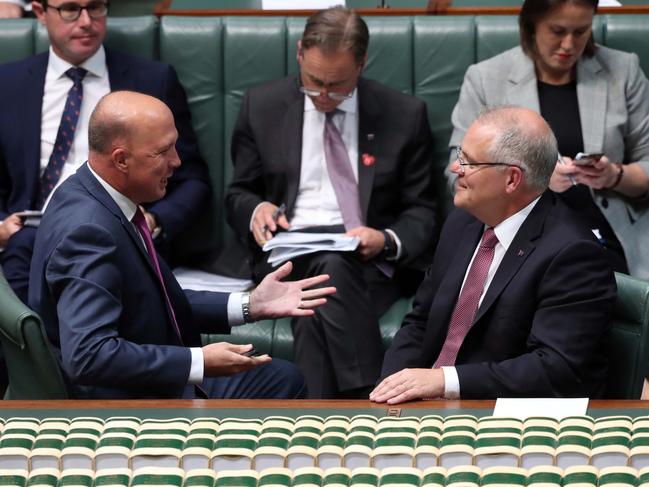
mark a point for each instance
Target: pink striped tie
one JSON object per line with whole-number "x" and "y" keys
{"x": 467, "y": 304}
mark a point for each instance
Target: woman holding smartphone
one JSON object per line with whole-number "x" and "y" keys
{"x": 596, "y": 100}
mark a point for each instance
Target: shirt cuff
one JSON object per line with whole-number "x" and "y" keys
{"x": 235, "y": 312}
{"x": 254, "y": 212}
{"x": 451, "y": 383}
{"x": 398, "y": 244}
{"x": 197, "y": 368}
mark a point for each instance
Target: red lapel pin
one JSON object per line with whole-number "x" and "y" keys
{"x": 368, "y": 159}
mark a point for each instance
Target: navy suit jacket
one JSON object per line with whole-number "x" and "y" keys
{"x": 102, "y": 304}
{"x": 541, "y": 327}
{"x": 21, "y": 98}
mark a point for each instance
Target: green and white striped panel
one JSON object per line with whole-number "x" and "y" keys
{"x": 114, "y": 448}
{"x": 272, "y": 448}
{"x": 308, "y": 477}
{"x": 79, "y": 449}
{"x": 611, "y": 446}
{"x": 158, "y": 477}
{"x": 122, "y": 424}
{"x": 336, "y": 424}
{"x": 244, "y": 427}
{"x": 394, "y": 442}
{"x": 331, "y": 447}
{"x": 538, "y": 447}
{"x": 26, "y": 426}
{"x": 365, "y": 477}
{"x": 579, "y": 424}
{"x": 498, "y": 442}
{"x": 456, "y": 448}
{"x": 639, "y": 454}
{"x": 400, "y": 477}
{"x": 13, "y": 477}
{"x": 537, "y": 424}
{"x": 206, "y": 426}
{"x": 493, "y": 424}
{"x": 54, "y": 426}
{"x": 113, "y": 477}
{"x": 613, "y": 423}
{"x": 46, "y": 452}
{"x": 200, "y": 477}
{"x": 156, "y": 450}
{"x": 363, "y": 423}
{"x": 433, "y": 477}
{"x": 544, "y": 476}
{"x": 337, "y": 477}
{"x": 460, "y": 422}
{"x": 233, "y": 452}
{"x": 358, "y": 449}
{"x": 580, "y": 476}
{"x": 303, "y": 448}
{"x": 278, "y": 424}
{"x": 15, "y": 449}
{"x": 574, "y": 441}
{"x": 618, "y": 477}
{"x": 165, "y": 427}
{"x": 87, "y": 425}
{"x": 43, "y": 477}
{"x": 463, "y": 476}
{"x": 641, "y": 424}
{"x": 236, "y": 478}
{"x": 77, "y": 477}
{"x": 504, "y": 477}
{"x": 308, "y": 424}
{"x": 643, "y": 477}
{"x": 427, "y": 448}
{"x": 197, "y": 450}
{"x": 275, "y": 477}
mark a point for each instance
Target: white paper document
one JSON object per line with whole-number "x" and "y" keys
{"x": 197, "y": 280}
{"x": 287, "y": 245}
{"x": 299, "y": 4}
{"x": 608, "y": 3}
{"x": 523, "y": 408}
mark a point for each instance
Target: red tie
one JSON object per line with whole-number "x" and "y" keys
{"x": 143, "y": 228}
{"x": 467, "y": 304}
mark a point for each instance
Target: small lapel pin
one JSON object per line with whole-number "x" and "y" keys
{"x": 368, "y": 159}
{"x": 370, "y": 137}
{"x": 521, "y": 253}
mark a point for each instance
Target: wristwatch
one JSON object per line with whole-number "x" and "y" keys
{"x": 245, "y": 308}
{"x": 389, "y": 247}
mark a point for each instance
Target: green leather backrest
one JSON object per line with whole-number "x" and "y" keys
{"x": 32, "y": 368}
{"x": 628, "y": 344}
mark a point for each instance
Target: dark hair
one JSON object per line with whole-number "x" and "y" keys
{"x": 337, "y": 28}
{"x": 533, "y": 11}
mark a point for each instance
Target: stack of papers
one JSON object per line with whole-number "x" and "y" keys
{"x": 286, "y": 245}
{"x": 204, "y": 281}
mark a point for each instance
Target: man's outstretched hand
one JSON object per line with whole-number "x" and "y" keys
{"x": 274, "y": 298}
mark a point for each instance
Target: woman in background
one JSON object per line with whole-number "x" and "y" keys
{"x": 596, "y": 100}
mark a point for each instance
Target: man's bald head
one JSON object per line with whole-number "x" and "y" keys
{"x": 132, "y": 140}
{"x": 523, "y": 138}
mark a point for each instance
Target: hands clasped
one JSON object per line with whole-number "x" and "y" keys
{"x": 274, "y": 298}
{"x": 409, "y": 384}
{"x": 598, "y": 175}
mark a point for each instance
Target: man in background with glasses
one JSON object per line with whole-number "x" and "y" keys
{"x": 46, "y": 103}
{"x": 517, "y": 300}
{"x": 338, "y": 153}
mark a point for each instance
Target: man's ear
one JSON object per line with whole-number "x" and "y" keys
{"x": 514, "y": 179}
{"x": 300, "y": 54}
{"x": 119, "y": 156}
{"x": 39, "y": 11}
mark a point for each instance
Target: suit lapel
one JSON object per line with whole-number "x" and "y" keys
{"x": 522, "y": 84}
{"x": 368, "y": 128}
{"x": 292, "y": 145}
{"x": 592, "y": 92}
{"x": 31, "y": 120}
{"x": 520, "y": 249}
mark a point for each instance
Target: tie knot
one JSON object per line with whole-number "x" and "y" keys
{"x": 489, "y": 239}
{"x": 330, "y": 115}
{"x": 76, "y": 74}
{"x": 138, "y": 217}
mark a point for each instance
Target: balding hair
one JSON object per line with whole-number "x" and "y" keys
{"x": 337, "y": 29}
{"x": 104, "y": 127}
{"x": 533, "y": 147}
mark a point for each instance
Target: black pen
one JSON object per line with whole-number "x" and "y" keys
{"x": 279, "y": 211}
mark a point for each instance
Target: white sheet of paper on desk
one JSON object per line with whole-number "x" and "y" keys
{"x": 298, "y": 4}
{"x": 523, "y": 408}
{"x": 609, "y": 3}
{"x": 287, "y": 245}
{"x": 198, "y": 280}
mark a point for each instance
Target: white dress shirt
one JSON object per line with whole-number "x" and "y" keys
{"x": 505, "y": 232}
{"x": 235, "y": 313}
{"x": 95, "y": 85}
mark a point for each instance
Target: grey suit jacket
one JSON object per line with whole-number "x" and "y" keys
{"x": 613, "y": 95}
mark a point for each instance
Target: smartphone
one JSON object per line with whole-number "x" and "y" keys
{"x": 587, "y": 158}
{"x": 251, "y": 353}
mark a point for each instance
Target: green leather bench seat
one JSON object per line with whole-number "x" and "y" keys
{"x": 217, "y": 58}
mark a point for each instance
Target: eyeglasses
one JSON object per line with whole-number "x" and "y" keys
{"x": 331, "y": 94}
{"x": 72, "y": 11}
{"x": 463, "y": 163}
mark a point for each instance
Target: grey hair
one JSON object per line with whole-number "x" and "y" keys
{"x": 534, "y": 150}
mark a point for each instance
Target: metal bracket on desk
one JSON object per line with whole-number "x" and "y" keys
{"x": 394, "y": 412}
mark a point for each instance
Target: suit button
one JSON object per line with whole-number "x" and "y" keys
{"x": 604, "y": 203}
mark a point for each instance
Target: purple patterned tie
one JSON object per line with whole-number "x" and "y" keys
{"x": 140, "y": 222}
{"x": 64, "y": 136}
{"x": 467, "y": 304}
{"x": 341, "y": 174}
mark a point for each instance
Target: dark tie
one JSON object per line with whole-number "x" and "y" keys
{"x": 64, "y": 136}
{"x": 140, "y": 223}
{"x": 467, "y": 304}
{"x": 341, "y": 174}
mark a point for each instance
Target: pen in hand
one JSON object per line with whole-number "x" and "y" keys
{"x": 279, "y": 211}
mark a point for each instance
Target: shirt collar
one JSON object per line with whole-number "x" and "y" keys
{"x": 95, "y": 64}
{"x": 349, "y": 105}
{"x": 507, "y": 229}
{"x": 126, "y": 205}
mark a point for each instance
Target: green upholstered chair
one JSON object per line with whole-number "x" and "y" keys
{"x": 629, "y": 339}
{"x": 32, "y": 367}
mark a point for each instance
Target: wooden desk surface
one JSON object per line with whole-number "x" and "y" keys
{"x": 282, "y": 404}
